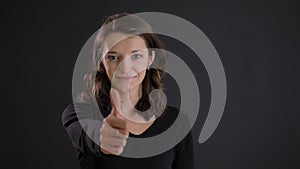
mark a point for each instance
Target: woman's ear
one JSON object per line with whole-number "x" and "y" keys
{"x": 151, "y": 58}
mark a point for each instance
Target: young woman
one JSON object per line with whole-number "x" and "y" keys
{"x": 125, "y": 73}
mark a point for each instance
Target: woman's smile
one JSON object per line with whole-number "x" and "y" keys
{"x": 126, "y": 78}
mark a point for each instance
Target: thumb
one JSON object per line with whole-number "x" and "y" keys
{"x": 115, "y": 102}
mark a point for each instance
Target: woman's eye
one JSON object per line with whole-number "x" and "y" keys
{"x": 112, "y": 57}
{"x": 136, "y": 56}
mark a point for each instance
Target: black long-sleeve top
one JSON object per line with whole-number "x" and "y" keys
{"x": 82, "y": 124}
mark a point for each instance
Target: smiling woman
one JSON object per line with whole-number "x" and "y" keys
{"x": 125, "y": 64}
{"x": 125, "y": 74}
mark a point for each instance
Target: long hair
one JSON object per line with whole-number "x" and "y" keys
{"x": 97, "y": 81}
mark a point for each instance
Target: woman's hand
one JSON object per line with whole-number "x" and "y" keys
{"x": 114, "y": 133}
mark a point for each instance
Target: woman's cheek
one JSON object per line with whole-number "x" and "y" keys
{"x": 111, "y": 73}
{"x": 141, "y": 76}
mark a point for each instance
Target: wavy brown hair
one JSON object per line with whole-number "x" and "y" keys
{"x": 98, "y": 84}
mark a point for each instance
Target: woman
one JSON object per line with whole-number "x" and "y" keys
{"x": 128, "y": 66}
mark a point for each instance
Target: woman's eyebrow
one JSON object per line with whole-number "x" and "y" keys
{"x": 112, "y": 52}
{"x": 139, "y": 50}
{"x": 133, "y": 51}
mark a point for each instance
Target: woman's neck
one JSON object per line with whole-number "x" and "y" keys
{"x": 128, "y": 102}
{"x": 132, "y": 96}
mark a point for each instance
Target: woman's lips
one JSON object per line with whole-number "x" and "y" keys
{"x": 125, "y": 77}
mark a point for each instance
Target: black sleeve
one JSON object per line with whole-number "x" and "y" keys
{"x": 184, "y": 150}
{"x": 82, "y": 123}
{"x": 184, "y": 153}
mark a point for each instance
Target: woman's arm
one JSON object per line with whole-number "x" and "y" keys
{"x": 184, "y": 150}
{"x": 82, "y": 124}
{"x": 184, "y": 153}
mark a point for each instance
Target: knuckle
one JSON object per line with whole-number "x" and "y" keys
{"x": 101, "y": 129}
{"x": 120, "y": 150}
{"x": 103, "y": 146}
{"x": 123, "y": 143}
{"x": 103, "y": 140}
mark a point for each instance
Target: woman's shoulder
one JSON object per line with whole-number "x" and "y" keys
{"x": 171, "y": 117}
{"x": 174, "y": 116}
{"x": 81, "y": 110}
{"x": 173, "y": 113}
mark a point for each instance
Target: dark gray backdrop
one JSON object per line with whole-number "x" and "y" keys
{"x": 257, "y": 42}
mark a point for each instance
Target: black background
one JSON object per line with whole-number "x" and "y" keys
{"x": 258, "y": 43}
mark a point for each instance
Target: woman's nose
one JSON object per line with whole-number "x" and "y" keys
{"x": 125, "y": 66}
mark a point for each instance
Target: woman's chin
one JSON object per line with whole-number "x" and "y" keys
{"x": 123, "y": 88}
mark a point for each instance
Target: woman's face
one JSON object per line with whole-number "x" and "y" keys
{"x": 126, "y": 61}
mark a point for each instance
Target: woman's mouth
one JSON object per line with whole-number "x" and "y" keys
{"x": 125, "y": 78}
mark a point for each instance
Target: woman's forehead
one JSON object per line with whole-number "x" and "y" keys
{"x": 119, "y": 42}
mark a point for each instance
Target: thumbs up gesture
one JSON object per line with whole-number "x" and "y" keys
{"x": 114, "y": 133}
